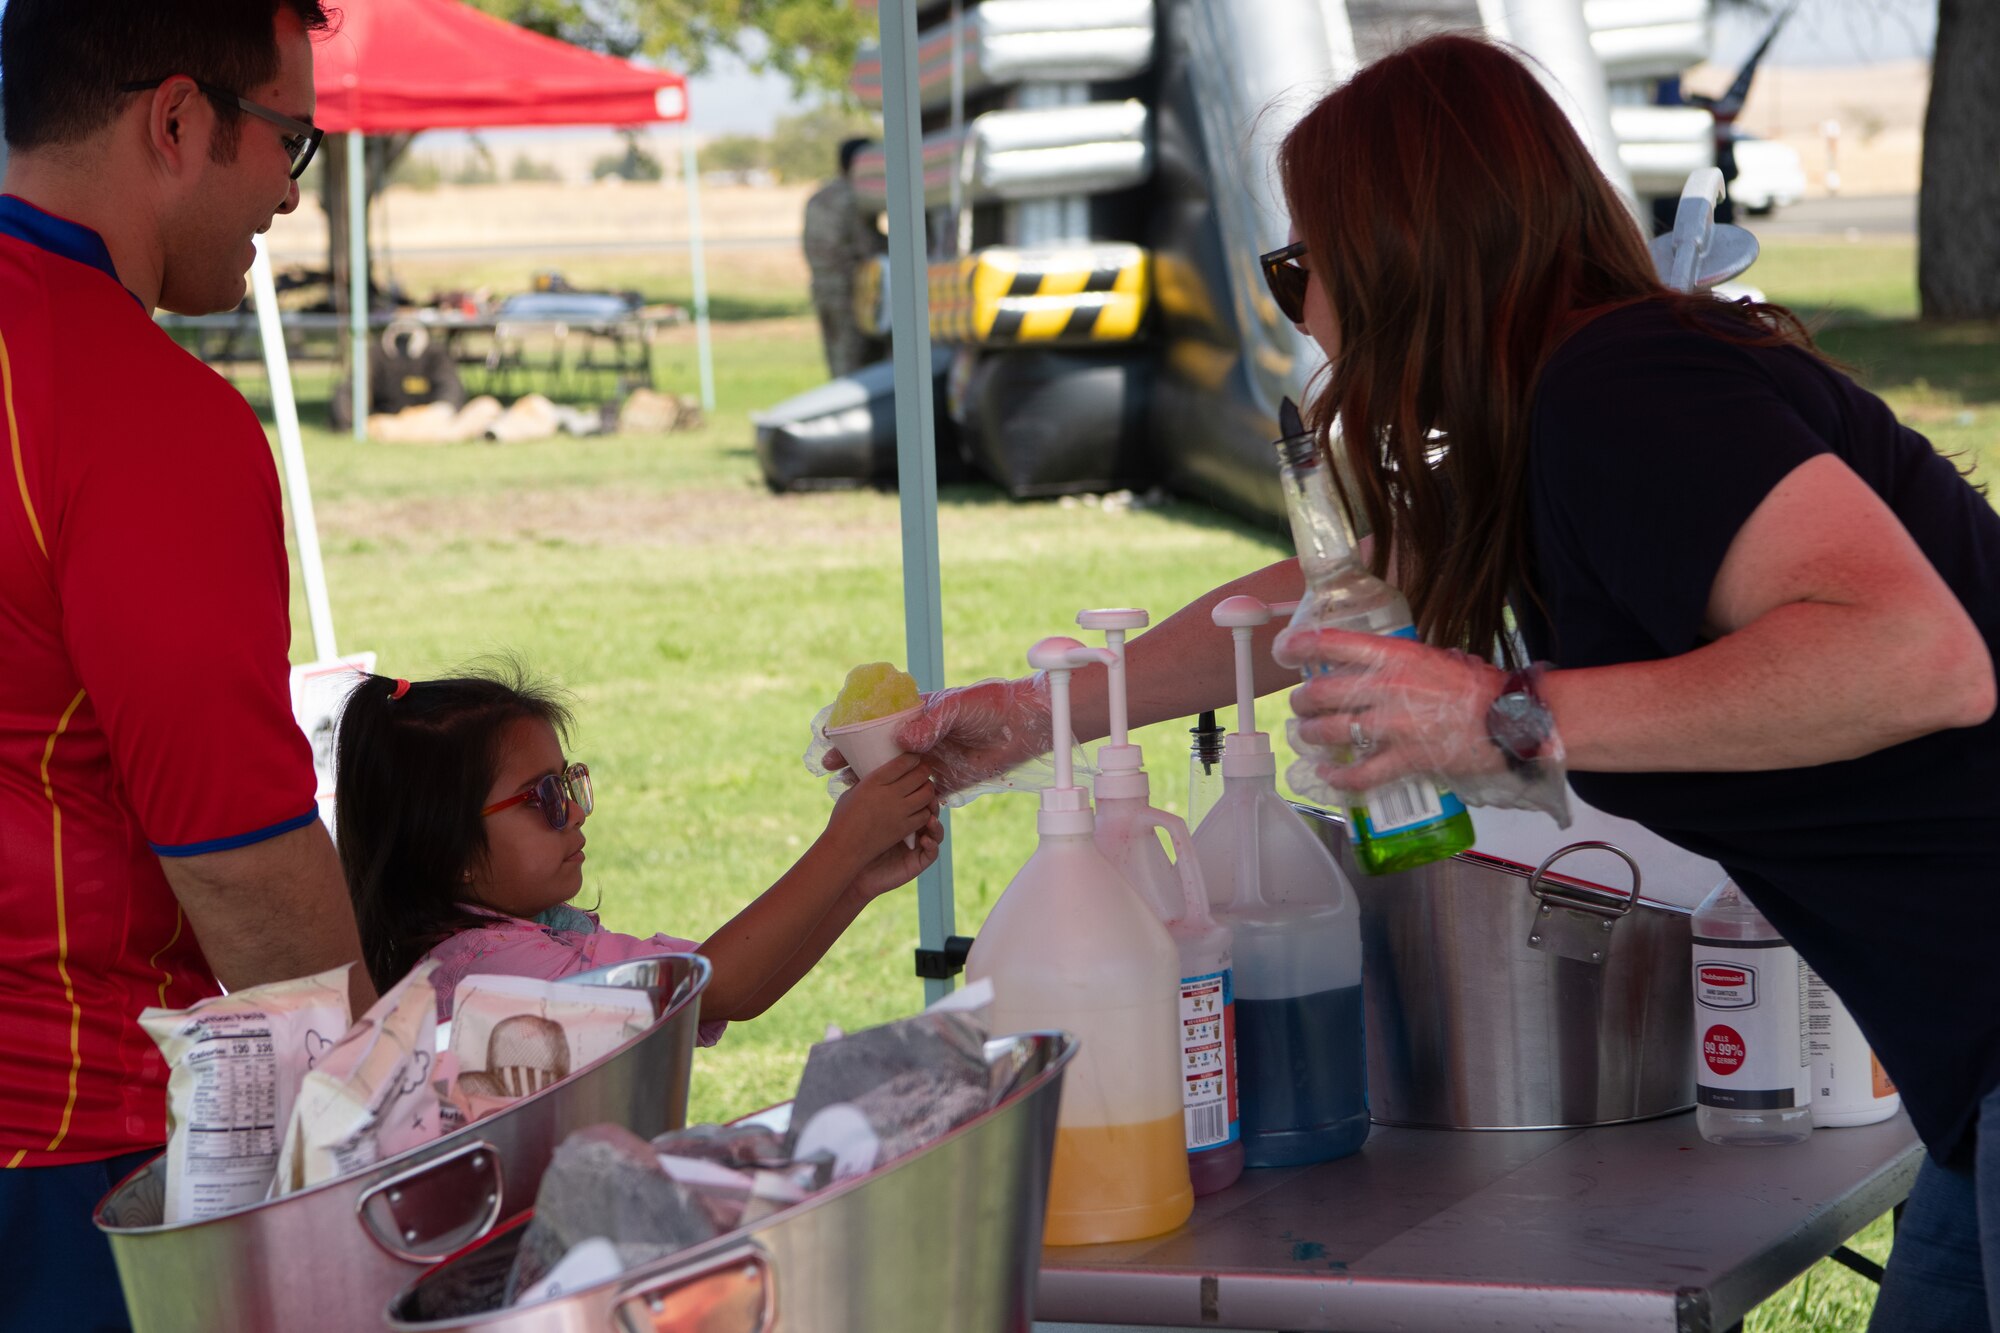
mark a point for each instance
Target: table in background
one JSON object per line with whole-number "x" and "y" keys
{"x": 1622, "y": 1227}
{"x": 496, "y": 354}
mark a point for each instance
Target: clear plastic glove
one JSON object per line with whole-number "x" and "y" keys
{"x": 1385, "y": 708}
{"x": 994, "y": 735}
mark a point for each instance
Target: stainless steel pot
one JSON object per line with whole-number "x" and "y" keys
{"x": 327, "y": 1258}
{"x": 1504, "y": 996}
{"x": 949, "y": 1237}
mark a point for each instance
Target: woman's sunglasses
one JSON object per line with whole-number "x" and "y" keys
{"x": 552, "y": 795}
{"x": 1287, "y": 278}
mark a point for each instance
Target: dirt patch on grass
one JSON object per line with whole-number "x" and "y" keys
{"x": 746, "y": 516}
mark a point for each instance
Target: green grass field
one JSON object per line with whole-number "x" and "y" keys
{"x": 701, "y": 621}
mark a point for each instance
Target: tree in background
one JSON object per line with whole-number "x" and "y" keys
{"x": 634, "y": 164}
{"x": 806, "y": 147}
{"x": 531, "y": 169}
{"x": 811, "y": 42}
{"x": 1958, "y": 203}
{"x": 736, "y": 153}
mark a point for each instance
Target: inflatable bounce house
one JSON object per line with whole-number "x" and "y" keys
{"x": 1098, "y": 186}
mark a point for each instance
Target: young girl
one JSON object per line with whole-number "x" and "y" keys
{"x": 461, "y": 834}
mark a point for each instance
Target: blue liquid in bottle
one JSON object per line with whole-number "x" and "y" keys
{"x": 1296, "y": 1062}
{"x": 1295, "y": 928}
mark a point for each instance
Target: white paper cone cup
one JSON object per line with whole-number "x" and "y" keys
{"x": 868, "y": 745}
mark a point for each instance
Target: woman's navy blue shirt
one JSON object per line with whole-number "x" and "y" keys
{"x": 1652, "y": 442}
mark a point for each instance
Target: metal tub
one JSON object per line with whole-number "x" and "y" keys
{"x": 328, "y": 1257}
{"x": 1505, "y": 996}
{"x": 948, "y": 1237}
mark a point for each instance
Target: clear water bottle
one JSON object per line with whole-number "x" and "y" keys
{"x": 1406, "y": 823}
{"x": 1753, "y": 1057}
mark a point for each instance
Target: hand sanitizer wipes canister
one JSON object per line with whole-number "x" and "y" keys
{"x": 1753, "y": 1062}
{"x": 1848, "y": 1085}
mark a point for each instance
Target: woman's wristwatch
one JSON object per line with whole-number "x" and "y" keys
{"x": 1519, "y": 721}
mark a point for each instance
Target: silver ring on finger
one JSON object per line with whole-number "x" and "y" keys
{"x": 1362, "y": 742}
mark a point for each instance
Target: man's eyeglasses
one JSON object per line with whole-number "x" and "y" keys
{"x": 552, "y": 795}
{"x": 300, "y": 139}
{"x": 1287, "y": 278}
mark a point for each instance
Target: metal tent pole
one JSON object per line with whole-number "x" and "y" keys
{"x": 691, "y": 177}
{"x": 916, "y": 451}
{"x": 357, "y": 273}
{"x": 298, "y": 490}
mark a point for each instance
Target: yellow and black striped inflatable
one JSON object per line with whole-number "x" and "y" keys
{"x": 1002, "y": 297}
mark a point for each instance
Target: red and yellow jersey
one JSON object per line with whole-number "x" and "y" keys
{"x": 145, "y": 710}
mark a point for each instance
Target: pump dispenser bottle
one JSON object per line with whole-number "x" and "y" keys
{"x": 1128, "y": 833}
{"x": 1295, "y": 926}
{"x": 1406, "y": 823}
{"x": 1071, "y": 945}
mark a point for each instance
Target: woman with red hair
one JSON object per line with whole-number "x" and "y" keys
{"x": 1761, "y": 613}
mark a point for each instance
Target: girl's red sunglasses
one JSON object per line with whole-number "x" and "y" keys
{"x": 552, "y": 795}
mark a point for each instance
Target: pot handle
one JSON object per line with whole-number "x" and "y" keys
{"x": 436, "y": 1208}
{"x": 1581, "y": 929}
{"x": 730, "y": 1293}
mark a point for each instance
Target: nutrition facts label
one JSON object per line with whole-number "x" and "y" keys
{"x": 232, "y": 1113}
{"x": 1208, "y": 1078}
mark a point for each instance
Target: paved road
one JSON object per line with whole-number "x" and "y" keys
{"x": 1866, "y": 215}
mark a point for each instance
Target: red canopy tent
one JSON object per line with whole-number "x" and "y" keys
{"x": 404, "y": 66}
{"x": 395, "y": 66}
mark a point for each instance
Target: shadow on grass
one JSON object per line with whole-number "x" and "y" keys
{"x": 1957, "y": 361}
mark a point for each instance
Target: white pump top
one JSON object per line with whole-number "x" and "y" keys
{"x": 1065, "y": 806}
{"x": 1246, "y": 751}
{"x": 1120, "y": 764}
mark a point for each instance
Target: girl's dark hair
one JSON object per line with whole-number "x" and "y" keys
{"x": 1461, "y": 230}
{"x": 412, "y": 775}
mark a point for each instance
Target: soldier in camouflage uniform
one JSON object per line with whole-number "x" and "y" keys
{"x": 837, "y": 238}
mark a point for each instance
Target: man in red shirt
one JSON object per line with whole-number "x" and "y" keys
{"x": 157, "y": 828}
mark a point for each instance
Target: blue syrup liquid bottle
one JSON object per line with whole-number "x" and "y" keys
{"x": 1302, "y": 1067}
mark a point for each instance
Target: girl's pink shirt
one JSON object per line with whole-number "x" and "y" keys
{"x": 510, "y": 946}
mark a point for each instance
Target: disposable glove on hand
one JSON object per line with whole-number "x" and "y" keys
{"x": 993, "y": 735}
{"x": 1379, "y": 708}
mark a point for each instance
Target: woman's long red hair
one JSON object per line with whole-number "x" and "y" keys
{"x": 1461, "y": 231}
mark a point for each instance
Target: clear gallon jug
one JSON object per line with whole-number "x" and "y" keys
{"x": 1753, "y": 1061}
{"x": 1070, "y": 945}
{"x": 1295, "y": 930}
{"x": 1129, "y": 829}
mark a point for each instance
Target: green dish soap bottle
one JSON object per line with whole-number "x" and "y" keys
{"x": 1406, "y": 823}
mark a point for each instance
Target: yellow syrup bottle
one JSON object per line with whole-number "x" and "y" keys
{"x": 1072, "y": 946}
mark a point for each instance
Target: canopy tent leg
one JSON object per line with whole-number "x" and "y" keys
{"x": 298, "y": 490}
{"x": 357, "y": 274}
{"x": 691, "y": 177}
{"x": 916, "y": 423}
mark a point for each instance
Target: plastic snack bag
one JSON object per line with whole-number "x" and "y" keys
{"x": 236, "y": 1063}
{"x": 605, "y": 1181}
{"x": 514, "y": 1036}
{"x": 370, "y": 1097}
{"x": 871, "y": 1096}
